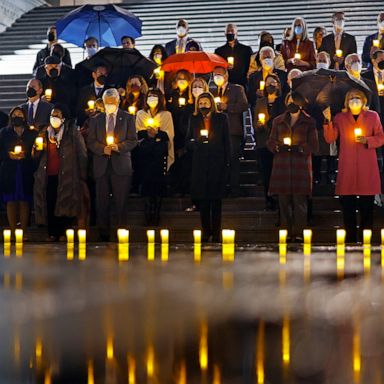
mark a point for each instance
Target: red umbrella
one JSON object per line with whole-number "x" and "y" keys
{"x": 193, "y": 62}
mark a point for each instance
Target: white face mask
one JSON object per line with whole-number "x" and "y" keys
{"x": 91, "y": 51}
{"x": 356, "y": 67}
{"x": 182, "y": 84}
{"x": 355, "y": 105}
{"x": 56, "y": 122}
{"x": 197, "y": 91}
{"x": 339, "y": 25}
{"x": 181, "y": 31}
{"x": 219, "y": 80}
{"x": 322, "y": 65}
{"x": 267, "y": 63}
{"x": 152, "y": 101}
{"x": 110, "y": 108}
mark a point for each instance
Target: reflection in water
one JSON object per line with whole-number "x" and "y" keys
{"x": 356, "y": 353}
{"x": 151, "y": 252}
{"x": 131, "y": 369}
{"x": 197, "y": 252}
{"x": 164, "y": 252}
{"x": 82, "y": 251}
{"x": 19, "y": 250}
{"x": 216, "y": 375}
{"x": 367, "y": 259}
{"x": 260, "y": 353}
{"x": 286, "y": 341}
{"x": 203, "y": 346}
{"x": 150, "y": 362}
{"x": 91, "y": 373}
{"x": 340, "y": 261}
{"x": 123, "y": 251}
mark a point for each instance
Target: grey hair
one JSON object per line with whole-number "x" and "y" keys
{"x": 267, "y": 48}
{"x": 348, "y": 59}
{"x": 111, "y": 92}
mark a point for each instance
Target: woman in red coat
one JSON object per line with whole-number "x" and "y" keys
{"x": 360, "y": 133}
{"x": 298, "y": 51}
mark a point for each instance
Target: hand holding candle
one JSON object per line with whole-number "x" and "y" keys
{"x": 132, "y": 109}
{"x": 262, "y": 85}
{"x": 182, "y": 101}
{"x": 18, "y": 149}
{"x": 48, "y": 94}
{"x": 297, "y": 56}
{"x": 376, "y": 43}
{"x": 339, "y": 52}
{"x": 91, "y": 105}
{"x": 231, "y": 61}
{"x": 261, "y": 118}
{"x": 39, "y": 143}
{"x": 287, "y": 141}
{"x": 110, "y": 140}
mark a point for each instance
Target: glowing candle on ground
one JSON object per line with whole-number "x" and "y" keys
{"x": 376, "y": 43}
{"x": 151, "y": 252}
{"x": 123, "y": 236}
{"x": 231, "y": 60}
{"x": 7, "y": 235}
{"x": 110, "y": 140}
{"x": 70, "y": 251}
{"x": 197, "y": 253}
{"x": 17, "y": 149}
{"x": 307, "y": 235}
{"x": 307, "y": 249}
{"x": 367, "y": 236}
{"x": 82, "y": 252}
{"x": 91, "y": 104}
{"x": 132, "y": 109}
{"x": 182, "y": 101}
{"x": 7, "y": 249}
{"x": 70, "y": 235}
{"x": 164, "y": 252}
{"x": 197, "y": 236}
{"x": 340, "y": 236}
{"x": 39, "y": 142}
{"x": 19, "y": 249}
{"x": 48, "y": 94}
{"x": 283, "y": 233}
{"x": 82, "y": 236}
{"x": 123, "y": 251}
{"x": 261, "y": 118}
{"x": 151, "y": 236}
{"x": 283, "y": 253}
{"x": 19, "y": 235}
{"x": 228, "y": 236}
{"x": 217, "y": 99}
{"x": 339, "y": 52}
{"x": 287, "y": 141}
{"x": 298, "y": 56}
{"x": 262, "y": 85}
{"x": 228, "y": 252}
{"x": 164, "y": 234}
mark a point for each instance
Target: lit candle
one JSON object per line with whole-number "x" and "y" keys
{"x": 123, "y": 236}
{"x": 110, "y": 140}
{"x": 197, "y": 236}
{"x": 164, "y": 234}
{"x": 204, "y": 132}
{"x": 70, "y": 235}
{"x": 164, "y": 252}
{"x": 151, "y": 236}
{"x": 19, "y": 249}
{"x": 48, "y": 94}
{"x": 261, "y": 118}
{"x": 91, "y": 104}
{"x": 307, "y": 234}
{"x": 151, "y": 252}
{"x": 39, "y": 142}
{"x": 31, "y": 127}
{"x": 123, "y": 249}
{"x": 307, "y": 249}
{"x": 70, "y": 251}
{"x": 228, "y": 236}
{"x": 339, "y": 52}
{"x": 82, "y": 236}
{"x": 197, "y": 252}
{"x": 287, "y": 141}
{"x": 217, "y": 100}
{"x": 283, "y": 252}
{"x": 283, "y": 233}
{"x": 182, "y": 101}
{"x": 297, "y": 56}
{"x": 367, "y": 236}
{"x": 231, "y": 60}
{"x": 150, "y": 123}
{"x": 340, "y": 236}
{"x": 18, "y": 149}
{"x": 7, "y": 235}
{"x": 228, "y": 251}
{"x": 382, "y": 236}
{"x": 262, "y": 85}
{"x": 132, "y": 109}
{"x": 19, "y": 235}
{"x": 376, "y": 43}
{"x": 82, "y": 252}
{"x": 358, "y": 132}
{"x": 380, "y": 87}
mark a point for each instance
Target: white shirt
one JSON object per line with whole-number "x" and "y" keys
{"x": 35, "y": 105}
{"x": 181, "y": 41}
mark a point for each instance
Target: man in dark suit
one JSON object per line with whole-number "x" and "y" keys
{"x": 338, "y": 40}
{"x": 45, "y": 52}
{"x": 233, "y": 102}
{"x": 91, "y": 92}
{"x": 82, "y": 72}
{"x": 179, "y": 44}
{"x": 37, "y": 111}
{"x": 240, "y": 54}
{"x": 267, "y": 55}
{"x": 374, "y": 41}
{"x": 111, "y": 138}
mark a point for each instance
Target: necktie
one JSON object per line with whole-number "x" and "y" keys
{"x": 180, "y": 47}
{"x": 110, "y": 125}
{"x": 30, "y": 114}
{"x": 220, "y": 92}
{"x": 98, "y": 91}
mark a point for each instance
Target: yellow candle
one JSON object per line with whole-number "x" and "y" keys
{"x": 197, "y": 236}
{"x": 123, "y": 236}
{"x": 164, "y": 234}
{"x": 197, "y": 252}
{"x": 228, "y": 236}
{"x": 261, "y": 118}
{"x": 82, "y": 251}
{"x": 287, "y": 141}
{"x": 91, "y": 104}
{"x": 283, "y": 233}
{"x": 19, "y": 235}
{"x": 82, "y": 236}
{"x": 151, "y": 236}
{"x": 182, "y": 101}
{"x": 151, "y": 252}
{"x": 164, "y": 251}
{"x": 307, "y": 235}
{"x": 150, "y": 123}
{"x": 376, "y": 43}
{"x": 123, "y": 249}
{"x": 110, "y": 140}
{"x": 204, "y": 132}
{"x": 340, "y": 236}
{"x": 339, "y": 52}
{"x": 48, "y": 94}
{"x": 217, "y": 100}
{"x": 39, "y": 142}
{"x": 262, "y": 85}
{"x": 70, "y": 235}
{"x": 7, "y": 235}
{"x": 297, "y": 56}
{"x": 382, "y": 236}
{"x": 19, "y": 249}
{"x": 228, "y": 251}
{"x": 231, "y": 60}
{"x": 132, "y": 109}
{"x": 70, "y": 251}
{"x": 18, "y": 149}
{"x": 367, "y": 236}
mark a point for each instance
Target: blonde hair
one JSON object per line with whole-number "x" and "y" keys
{"x": 304, "y": 35}
{"x": 354, "y": 92}
{"x": 190, "y": 95}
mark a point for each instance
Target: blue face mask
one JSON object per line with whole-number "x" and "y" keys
{"x": 298, "y": 30}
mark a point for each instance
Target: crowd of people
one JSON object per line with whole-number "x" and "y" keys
{"x": 83, "y": 143}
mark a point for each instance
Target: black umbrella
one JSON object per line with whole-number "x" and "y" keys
{"x": 327, "y": 87}
{"x": 122, "y": 63}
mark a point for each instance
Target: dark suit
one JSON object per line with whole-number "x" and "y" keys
{"x": 347, "y": 45}
{"x": 42, "y": 115}
{"x": 83, "y": 74}
{"x": 377, "y": 102}
{"x": 66, "y": 72}
{"x": 170, "y": 47}
{"x": 368, "y": 42}
{"x": 242, "y": 57}
{"x": 45, "y": 52}
{"x": 112, "y": 173}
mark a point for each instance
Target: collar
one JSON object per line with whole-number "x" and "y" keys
{"x": 35, "y": 103}
{"x": 181, "y": 38}
{"x": 94, "y": 84}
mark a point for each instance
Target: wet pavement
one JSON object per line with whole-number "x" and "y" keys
{"x": 104, "y": 314}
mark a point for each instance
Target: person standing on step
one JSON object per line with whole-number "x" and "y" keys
{"x": 373, "y": 42}
{"x": 179, "y": 44}
{"x": 318, "y": 35}
{"x": 84, "y": 74}
{"x": 209, "y": 141}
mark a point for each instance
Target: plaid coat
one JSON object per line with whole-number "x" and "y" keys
{"x": 292, "y": 171}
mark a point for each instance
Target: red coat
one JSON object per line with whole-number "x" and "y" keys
{"x": 292, "y": 171}
{"x": 358, "y": 172}
{"x": 306, "y": 50}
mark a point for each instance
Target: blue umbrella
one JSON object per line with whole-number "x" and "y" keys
{"x": 108, "y": 23}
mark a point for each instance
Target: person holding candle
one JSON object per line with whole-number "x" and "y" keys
{"x": 136, "y": 90}
{"x": 210, "y": 144}
{"x": 61, "y": 174}
{"x": 84, "y": 75}
{"x": 339, "y": 43}
{"x": 373, "y": 42}
{"x": 298, "y": 51}
{"x": 293, "y": 139}
{"x": 159, "y": 79}
{"x": 16, "y": 169}
{"x": 155, "y": 153}
{"x": 360, "y": 132}
{"x": 318, "y": 35}
{"x": 267, "y": 108}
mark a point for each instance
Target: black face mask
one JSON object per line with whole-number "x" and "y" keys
{"x": 101, "y": 79}
{"x": 51, "y": 36}
{"x": 293, "y": 108}
{"x": 230, "y": 36}
{"x": 204, "y": 110}
{"x": 53, "y": 73}
{"x": 31, "y": 92}
{"x": 270, "y": 89}
{"x": 18, "y": 121}
{"x": 381, "y": 65}
{"x": 57, "y": 54}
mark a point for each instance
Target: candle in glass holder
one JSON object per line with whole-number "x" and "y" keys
{"x": 19, "y": 236}
{"x": 297, "y": 56}
{"x": 70, "y": 235}
{"x": 48, "y": 94}
{"x": 17, "y": 149}
{"x": 182, "y": 101}
{"x": 164, "y": 234}
{"x": 228, "y": 236}
{"x": 132, "y": 109}
{"x": 376, "y": 43}
{"x": 339, "y": 52}
{"x": 197, "y": 236}
{"x": 367, "y": 236}
{"x": 261, "y": 118}
{"x": 231, "y": 60}
{"x": 358, "y": 132}
{"x": 91, "y": 104}
{"x": 150, "y": 123}
{"x": 123, "y": 236}
{"x": 307, "y": 235}
{"x": 151, "y": 236}
{"x": 380, "y": 87}
{"x": 217, "y": 100}
{"x": 262, "y": 85}
{"x": 7, "y": 235}
{"x": 110, "y": 140}
{"x": 287, "y": 141}
{"x": 283, "y": 233}
{"x": 82, "y": 236}
{"x": 204, "y": 132}
{"x": 340, "y": 236}
{"x": 39, "y": 143}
